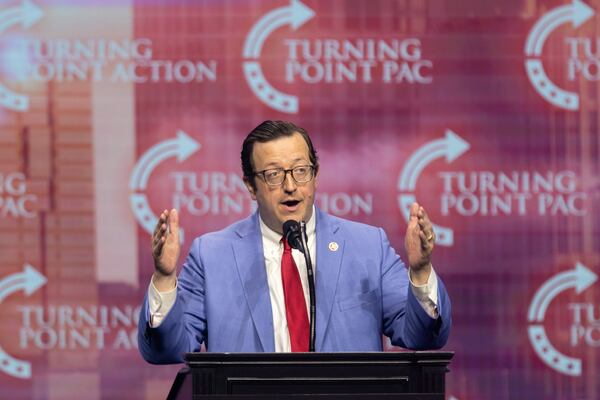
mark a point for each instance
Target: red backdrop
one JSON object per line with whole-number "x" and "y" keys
{"x": 485, "y": 112}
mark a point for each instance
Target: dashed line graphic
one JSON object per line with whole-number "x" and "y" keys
{"x": 28, "y": 281}
{"x": 450, "y": 147}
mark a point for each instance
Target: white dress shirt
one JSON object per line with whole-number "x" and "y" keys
{"x": 160, "y": 303}
{"x": 273, "y": 251}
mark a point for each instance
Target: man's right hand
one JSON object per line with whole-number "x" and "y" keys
{"x": 165, "y": 250}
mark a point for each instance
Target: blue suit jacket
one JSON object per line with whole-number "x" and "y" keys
{"x": 362, "y": 292}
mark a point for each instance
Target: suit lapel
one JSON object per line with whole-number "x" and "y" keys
{"x": 250, "y": 263}
{"x": 330, "y": 248}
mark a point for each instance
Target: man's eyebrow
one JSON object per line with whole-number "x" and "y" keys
{"x": 276, "y": 164}
{"x": 271, "y": 164}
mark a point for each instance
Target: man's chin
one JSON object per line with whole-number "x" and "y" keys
{"x": 297, "y": 215}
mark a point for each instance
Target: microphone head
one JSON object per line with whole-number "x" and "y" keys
{"x": 290, "y": 225}
{"x": 293, "y": 234}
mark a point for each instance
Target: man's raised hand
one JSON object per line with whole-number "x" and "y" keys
{"x": 419, "y": 242}
{"x": 165, "y": 250}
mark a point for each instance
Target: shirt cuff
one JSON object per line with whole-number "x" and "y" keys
{"x": 160, "y": 303}
{"x": 427, "y": 294}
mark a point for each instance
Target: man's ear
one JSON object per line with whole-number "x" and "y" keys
{"x": 250, "y": 188}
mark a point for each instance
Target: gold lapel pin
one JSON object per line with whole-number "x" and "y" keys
{"x": 333, "y": 246}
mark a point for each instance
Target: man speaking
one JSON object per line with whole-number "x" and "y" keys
{"x": 244, "y": 289}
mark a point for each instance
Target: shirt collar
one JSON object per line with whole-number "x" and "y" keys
{"x": 274, "y": 238}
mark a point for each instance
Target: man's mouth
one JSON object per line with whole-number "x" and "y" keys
{"x": 290, "y": 203}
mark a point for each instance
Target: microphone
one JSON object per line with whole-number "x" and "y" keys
{"x": 293, "y": 234}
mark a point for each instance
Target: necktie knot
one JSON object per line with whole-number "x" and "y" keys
{"x": 286, "y": 245}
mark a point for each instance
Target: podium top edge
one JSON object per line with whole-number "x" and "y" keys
{"x": 350, "y": 357}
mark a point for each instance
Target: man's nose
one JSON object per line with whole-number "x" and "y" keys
{"x": 289, "y": 184}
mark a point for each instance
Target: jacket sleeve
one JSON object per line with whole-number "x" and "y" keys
{"x": 405, "y": 321}
{"x": 184, "y": 328}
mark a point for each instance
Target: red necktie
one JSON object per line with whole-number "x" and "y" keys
{"x": 295, "y": 304}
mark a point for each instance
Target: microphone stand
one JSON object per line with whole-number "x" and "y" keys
{"x": 311, "y": 286}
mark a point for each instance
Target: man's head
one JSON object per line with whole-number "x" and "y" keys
{"x": 280, "y": 168}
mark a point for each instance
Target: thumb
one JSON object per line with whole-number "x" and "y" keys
{"x": 174, "y": 223}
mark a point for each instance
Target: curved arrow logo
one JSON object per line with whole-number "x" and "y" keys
{"x": 27, "y": 15}
{"x": 576, "y": 13}
{"x": 580, "y": 278}
{"x": 181, "y": 148}
{"x": 450, "y": 147}
{"x": 28, "y": 281}
{"x": 295, "y": 15}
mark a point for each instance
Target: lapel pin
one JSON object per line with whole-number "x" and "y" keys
{"x": 333, "y": 246}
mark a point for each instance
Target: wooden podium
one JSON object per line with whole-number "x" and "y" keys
{"x": 376, "y": 375}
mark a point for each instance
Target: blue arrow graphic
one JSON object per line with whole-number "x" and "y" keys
{"x": 181, "y": 147}
{"x": 296, "y": 14}
{"x": 577, "y": 13}
{"x": 28, "y": 281}
{"x": 450, "y": 147}
{"x": 27, "y": 14}
{"x": 580, "y": 278}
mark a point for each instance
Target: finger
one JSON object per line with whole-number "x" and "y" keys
{"x": 423, "y": 221}
{"x": 159, "y": 232}
{"x": 412, "y": 228}
{"x": 429, "y": 235}
{"x": 161, "y": 220}
{"x": 158, "y": 246}
{"x": 159, "y": 228}
{"x": 423, "y": 218}
{"x": 163, "y": 216}
{"x": 414, "y": 209}
{"x": 425, "y": 243}
{"x": 426, "y": 227}
{"x": 156, "y": 249}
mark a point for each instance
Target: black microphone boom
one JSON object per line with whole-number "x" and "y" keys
{"x": 311, "y": 289}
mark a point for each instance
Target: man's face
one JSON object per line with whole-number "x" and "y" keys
{"x": 290, "y": 200}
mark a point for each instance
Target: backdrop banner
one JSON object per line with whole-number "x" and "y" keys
{"x": 485, "y": 112}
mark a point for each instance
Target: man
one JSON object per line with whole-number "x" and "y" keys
{"x": 239, "y": 288}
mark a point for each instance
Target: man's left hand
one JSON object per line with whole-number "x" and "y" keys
{"x": 419, "y": 242}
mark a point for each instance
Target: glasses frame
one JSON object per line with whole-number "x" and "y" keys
{"x": 285, "y": 172}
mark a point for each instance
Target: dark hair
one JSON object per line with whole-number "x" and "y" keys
{"x": 267, "y": 131}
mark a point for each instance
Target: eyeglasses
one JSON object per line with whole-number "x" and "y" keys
{"x": 276, "y": 176}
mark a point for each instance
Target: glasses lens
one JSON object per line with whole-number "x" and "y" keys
{"x": 274, "y": 176}
{"x": 302, "y": 174}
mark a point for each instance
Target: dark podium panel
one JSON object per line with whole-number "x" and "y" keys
{"x": 377, "y": 375}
